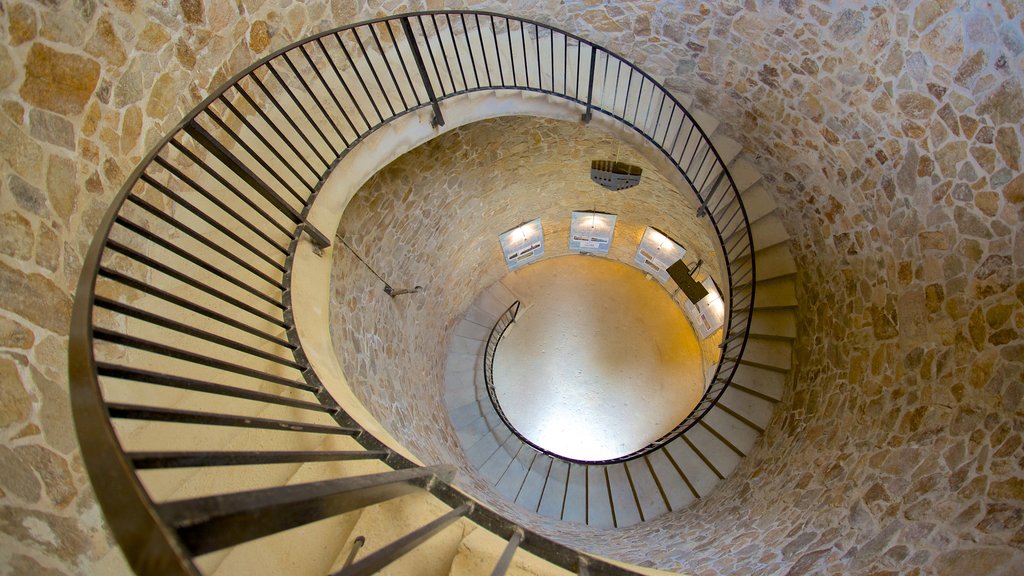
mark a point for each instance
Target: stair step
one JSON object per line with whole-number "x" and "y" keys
{"x": 769, "y": 382}
{"x": 471, "y": 330}
{"x": 531, "y": 491}
{"x": 462, "y": 345}
{"x": 753, "y": 408}
{"x": 480, "y": 317}
{"x": 774, "y": 261}
{"x": 623, "y": 497}
{"x": 700, "y": 475}
{"x": 777, "y": 353}
{"x": 774, "y": 323}
{"x": 647, "y": 492}
{"x": 735, "y": 431}
{"x": 553, "y": 491}
{"x": 513, "y": 480}
{"x": 758, "y": 202}
{"x": 767, "y": 231}
{"x": 779, "y": 291}
{"x": 497, "y": 465}
{"x": 673, "y": 485}
{"x": 714, "y": 449}
{"x": 744, "y": 174}
{"x": 493, "y": 301}
{"x": 599, "y": 511}
{"x": 727, "y": 148}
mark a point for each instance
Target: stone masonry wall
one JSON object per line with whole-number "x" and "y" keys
{"x": 889, "y": 133}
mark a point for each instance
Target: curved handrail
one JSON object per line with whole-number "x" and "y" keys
{"x": 208, "y": 223}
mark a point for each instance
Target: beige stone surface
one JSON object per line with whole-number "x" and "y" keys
{"x": 891, "y": 436}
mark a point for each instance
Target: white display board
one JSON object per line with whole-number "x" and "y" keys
{"x": 707, "y": 315}
{"x": 656, "y": 253}
{"x": 522, "y": 244}
{"x": 591, "y": 232}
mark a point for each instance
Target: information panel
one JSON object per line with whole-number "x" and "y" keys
{"x": 657, "y": 252}
{"x": 523, "y": 244}
{"x": 591, "y": 232}
{"x": 708, "y": 314}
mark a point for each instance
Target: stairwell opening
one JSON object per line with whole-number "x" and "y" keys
{"x": 432, "y": 218}
{"x": 599, "y": 362}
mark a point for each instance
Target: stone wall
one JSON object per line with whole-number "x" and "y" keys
{"x": 889, "y": 133}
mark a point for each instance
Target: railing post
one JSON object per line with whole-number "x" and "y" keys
{"x": 438, "y": 119}
{"x": 706, "y": 197}
{"x": 590, "y": 85}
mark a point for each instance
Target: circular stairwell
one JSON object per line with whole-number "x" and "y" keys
{"x": 167, "y": 317}
{"x": 673, "y": 476}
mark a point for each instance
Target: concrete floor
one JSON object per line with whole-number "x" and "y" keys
{"x": 600, "y": 361}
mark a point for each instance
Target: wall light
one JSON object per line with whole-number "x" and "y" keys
{"x": 522, "y": 244}
{"x": 657, "y": 252}
{"x": 708, "y": 314}
{"x": 591, "y": 232}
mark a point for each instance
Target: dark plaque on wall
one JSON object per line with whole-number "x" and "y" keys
{"x": 694, "y": 290}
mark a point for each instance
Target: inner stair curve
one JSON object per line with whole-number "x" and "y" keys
{"x": 679, "y": 473}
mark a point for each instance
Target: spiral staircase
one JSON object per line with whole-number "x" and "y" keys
{"x": 216, "y": 434}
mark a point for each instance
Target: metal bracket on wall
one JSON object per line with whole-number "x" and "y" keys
{"x": 320, "y": 242}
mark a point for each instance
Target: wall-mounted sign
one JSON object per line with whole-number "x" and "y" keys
{"x": 708, "y": 314}
{"x": 591, "y": 232}
{"x": 657, "y": 252}
{"x": 523, "y": 244}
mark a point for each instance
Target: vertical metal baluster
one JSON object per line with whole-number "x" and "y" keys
{"x": 458, "y": 56}
{"x": 430, "y": 52}
{"x": 373, "y": 70}
{"x": 312, "y": 96}
{"x": 394, "y": 42}
{"x": 344, "y": 85}
{"x": 334, "y": 98}
{"x": 469, "y": 48}
{"x": 632, "y": 488}
{"x": 291, "y": 94}
{"x": 497, "y": 53}
{"x": 636, "y": 104}
{"x": 611, "y": 501}
{"x": 438, "y": 119}
{"x": 528, "y": 470}
{"x": 615, "y": 91}
{"x": 301, "y": 133}
{"x": 586, "y": 496}
{"x": 668, "y": 124}
{"x": 650, "y": 104}
{"x": 511, "y": 53}
{"x": 590, "y": 85}
{"x": 565, "y": 64}
{"x": 259, "y": 110}
{"x": 565, "y": 492}
{"x": 387, "y": 64}
{"x": 544, "y": 487}
{"x": 259, "y": 136}
{"x": 356, "y": 545}
{"x": 506, "y": 556}
{"x": 444, "y": 53}
{"x": 604, "y": 85}
{"x": 359, "y": 76}
{"x": 483, "y": 50}
{"x": 388, "y": 554}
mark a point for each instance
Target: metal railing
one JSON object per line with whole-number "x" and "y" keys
{"x": 182, "y": 333}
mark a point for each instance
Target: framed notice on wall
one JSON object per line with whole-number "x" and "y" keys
{"x": 708, "y": 314}
{"x": 522, "y": 244}
{"x": 657, "y": 252}
{"x": 591, "y": 232}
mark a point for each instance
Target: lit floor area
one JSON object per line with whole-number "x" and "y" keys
{"x": 600, "y": 361}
